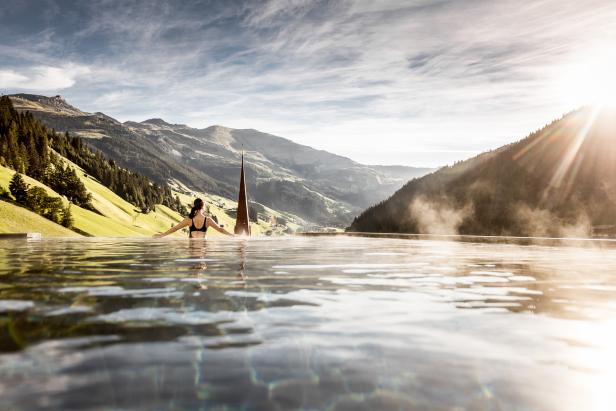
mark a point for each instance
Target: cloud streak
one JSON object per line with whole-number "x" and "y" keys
{"x": 382, "y": 82}
{"x": 42, "y": 78}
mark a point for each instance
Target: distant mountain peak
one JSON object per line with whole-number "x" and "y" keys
{"x": 157, "y": 121}
{"x": 37, "y": 102}
{"x": 218, "y": 127}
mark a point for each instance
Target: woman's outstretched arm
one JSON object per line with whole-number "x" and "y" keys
{"x": 181, "y": 224}
{"x": 212, "y": 223}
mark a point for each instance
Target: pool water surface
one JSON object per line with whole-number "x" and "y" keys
{"x": 306, "y": 323}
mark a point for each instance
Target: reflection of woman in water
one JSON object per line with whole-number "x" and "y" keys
{"x": 198, "y": 251}
{"x": 242, "y": 273}
{"x": 197, "y": 221}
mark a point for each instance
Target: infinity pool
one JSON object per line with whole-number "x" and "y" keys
{"x": 306, "y": 323}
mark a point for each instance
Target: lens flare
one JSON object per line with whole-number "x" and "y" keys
{"x": 590, "y": 79}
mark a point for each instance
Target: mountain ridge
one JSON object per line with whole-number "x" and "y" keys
{"x": 319, "y": 186}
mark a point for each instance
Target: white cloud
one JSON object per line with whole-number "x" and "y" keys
{"x": 9, "y": 78}
{"x": 43, "y": 78}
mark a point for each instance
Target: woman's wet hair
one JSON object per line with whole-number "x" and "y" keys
{"x": 197, "y": 205}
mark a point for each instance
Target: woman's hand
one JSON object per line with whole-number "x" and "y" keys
{"x": 158, "y": 235}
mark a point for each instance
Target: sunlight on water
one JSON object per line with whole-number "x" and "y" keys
{"x": 312, "y": 323}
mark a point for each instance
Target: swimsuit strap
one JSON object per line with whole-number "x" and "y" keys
{"x": 203, "y": 228}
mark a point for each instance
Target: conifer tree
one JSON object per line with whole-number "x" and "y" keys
{"x": 52, "y": 208}
{"x": 36, "y": 200}
{"x": 67, "y": 217}
{"x": 19, "y": 188}
{"x": 4, "y": 194}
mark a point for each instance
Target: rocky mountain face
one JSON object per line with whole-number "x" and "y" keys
{"x": 319, "y": 186}
{"x": 559, "y": 181}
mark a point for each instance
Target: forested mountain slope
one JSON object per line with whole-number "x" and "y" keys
{"x": 559, "y": 181}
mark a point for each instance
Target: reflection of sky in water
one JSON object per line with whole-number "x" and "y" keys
{"x": 314, "y": 323}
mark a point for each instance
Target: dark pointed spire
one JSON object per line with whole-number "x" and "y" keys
{"x": 242, "y": 222}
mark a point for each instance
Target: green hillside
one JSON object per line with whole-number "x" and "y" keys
{"x": 119, "y": 218}
{"x": 16, "y": 219}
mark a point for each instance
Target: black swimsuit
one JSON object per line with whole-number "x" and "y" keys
{"x": 193, "y": 228}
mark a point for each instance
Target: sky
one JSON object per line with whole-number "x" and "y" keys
{"x": 420, "y": 83}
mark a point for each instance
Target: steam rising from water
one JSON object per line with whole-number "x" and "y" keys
{"x": 443, "y": 217}
{"x": 542, "y": 223}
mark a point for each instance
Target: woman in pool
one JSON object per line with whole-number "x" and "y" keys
{"x": 197, "y": 221}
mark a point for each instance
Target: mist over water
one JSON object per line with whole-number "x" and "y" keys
{"x": 306, "y": 323}
{"x": 442, "y": 216}
{"x": 438, "y": 217}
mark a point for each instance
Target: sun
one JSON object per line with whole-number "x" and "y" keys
{"x": 590, "y": 79}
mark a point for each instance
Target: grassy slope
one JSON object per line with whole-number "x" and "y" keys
{"x": 124, "y": 214}
{"x": 15, "y": 219}
{"x": 118, "y": 219}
